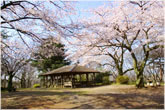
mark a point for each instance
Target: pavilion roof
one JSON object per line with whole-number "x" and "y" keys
{"x": 70, "y": 69}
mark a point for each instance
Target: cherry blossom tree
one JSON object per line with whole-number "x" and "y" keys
{"x": 156, "y": 64}
{"x": 13, "y": 59}
{"x": 34, "y": 20}
{"x": 121, "y": 28}
{"x": 27, "y": 76}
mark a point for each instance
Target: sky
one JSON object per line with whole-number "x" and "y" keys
{"x": 91, "y": 4}
{"x": 81, "y": 6}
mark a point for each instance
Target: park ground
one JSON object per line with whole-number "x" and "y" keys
{"x": 105, "y": 97}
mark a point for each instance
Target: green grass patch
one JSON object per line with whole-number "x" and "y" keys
{"x": 116, "y": 84}
{"x": 162, "y": 83}
{"x": 130, "y": 83}
{"x": 4, "y": 89}
{"x": 42, "y": 89}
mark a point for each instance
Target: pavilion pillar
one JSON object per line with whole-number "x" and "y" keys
{"x": 65, "y": 78}
{"x": 62, "y": 81}
{"x": 46, "y": 81}
{"x": 87, "y": 77}
{"x": 54, "y": 81}
{"x": 73, "y": 80}
{"x": 80, "y": 77}
{"x": 51, "y": 80}
{"x": 69, "y": 78}
{"x": 57, "y": 81}
{"x": 94, "y": 76}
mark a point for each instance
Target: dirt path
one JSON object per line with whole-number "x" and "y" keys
{"x": 106, "y": 97}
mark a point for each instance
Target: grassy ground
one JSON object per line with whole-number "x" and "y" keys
{"x": 105, "y": 97}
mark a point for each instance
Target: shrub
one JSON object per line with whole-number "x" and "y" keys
{"x": 106, "y": 80}
{"x": 102, "y": 78}
{"x": 122, "y": 79}
{"x": 99, "y": 78}
{"x": 132, "y": 82}
{"x": 36, "y": 86}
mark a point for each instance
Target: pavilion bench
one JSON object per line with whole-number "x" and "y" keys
{"x": 68, "y": 84}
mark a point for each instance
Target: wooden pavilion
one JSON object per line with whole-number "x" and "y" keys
{"x": 69, "y": 76}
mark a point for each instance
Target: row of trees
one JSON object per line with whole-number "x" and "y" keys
{"x": 19, "y": 63}
{"x": 116, "y": 31}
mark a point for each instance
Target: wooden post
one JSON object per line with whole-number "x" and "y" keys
{"x": 65, "y": 78}
{"x": 54, "y": 81}
{"x": 57, "y": 80}
{"x": 80, "y": 77}
{"x": 46, "y": 81}
{"x": 62, "y": 81}
{"x": 51, "y": 80}
{"x": 94, "y": 76}
{"x": 72, "y": 78}
{"x": 87, "y": 79}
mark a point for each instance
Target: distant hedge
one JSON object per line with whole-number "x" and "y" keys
{"x": 36, "y": 86}
{"x": 122, "y": 79}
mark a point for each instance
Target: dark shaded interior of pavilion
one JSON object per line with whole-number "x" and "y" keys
{"x": 77, "y": 80}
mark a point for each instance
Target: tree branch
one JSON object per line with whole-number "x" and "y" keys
{"x": 130, "y": 69}
{"x": 22, "y": 18}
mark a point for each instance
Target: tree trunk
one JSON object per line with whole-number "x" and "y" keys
{"x": 5, "y": 81}
{"x": 161, "y": 74}
{"x": 23, "y": 83}
{"x": 10, "y": 83}
{"x": 23, "y": 80}
{"x": 138, "y": 71}
{"x": 139, "y": 79}
{"x": 120, "y": 71}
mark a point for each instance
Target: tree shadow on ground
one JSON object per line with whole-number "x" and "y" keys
{"x": 127, "y": 101}
{"x": 50, "y": 99}
{"x": 36, "y": 93}
{"x": 27, "y": 99}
